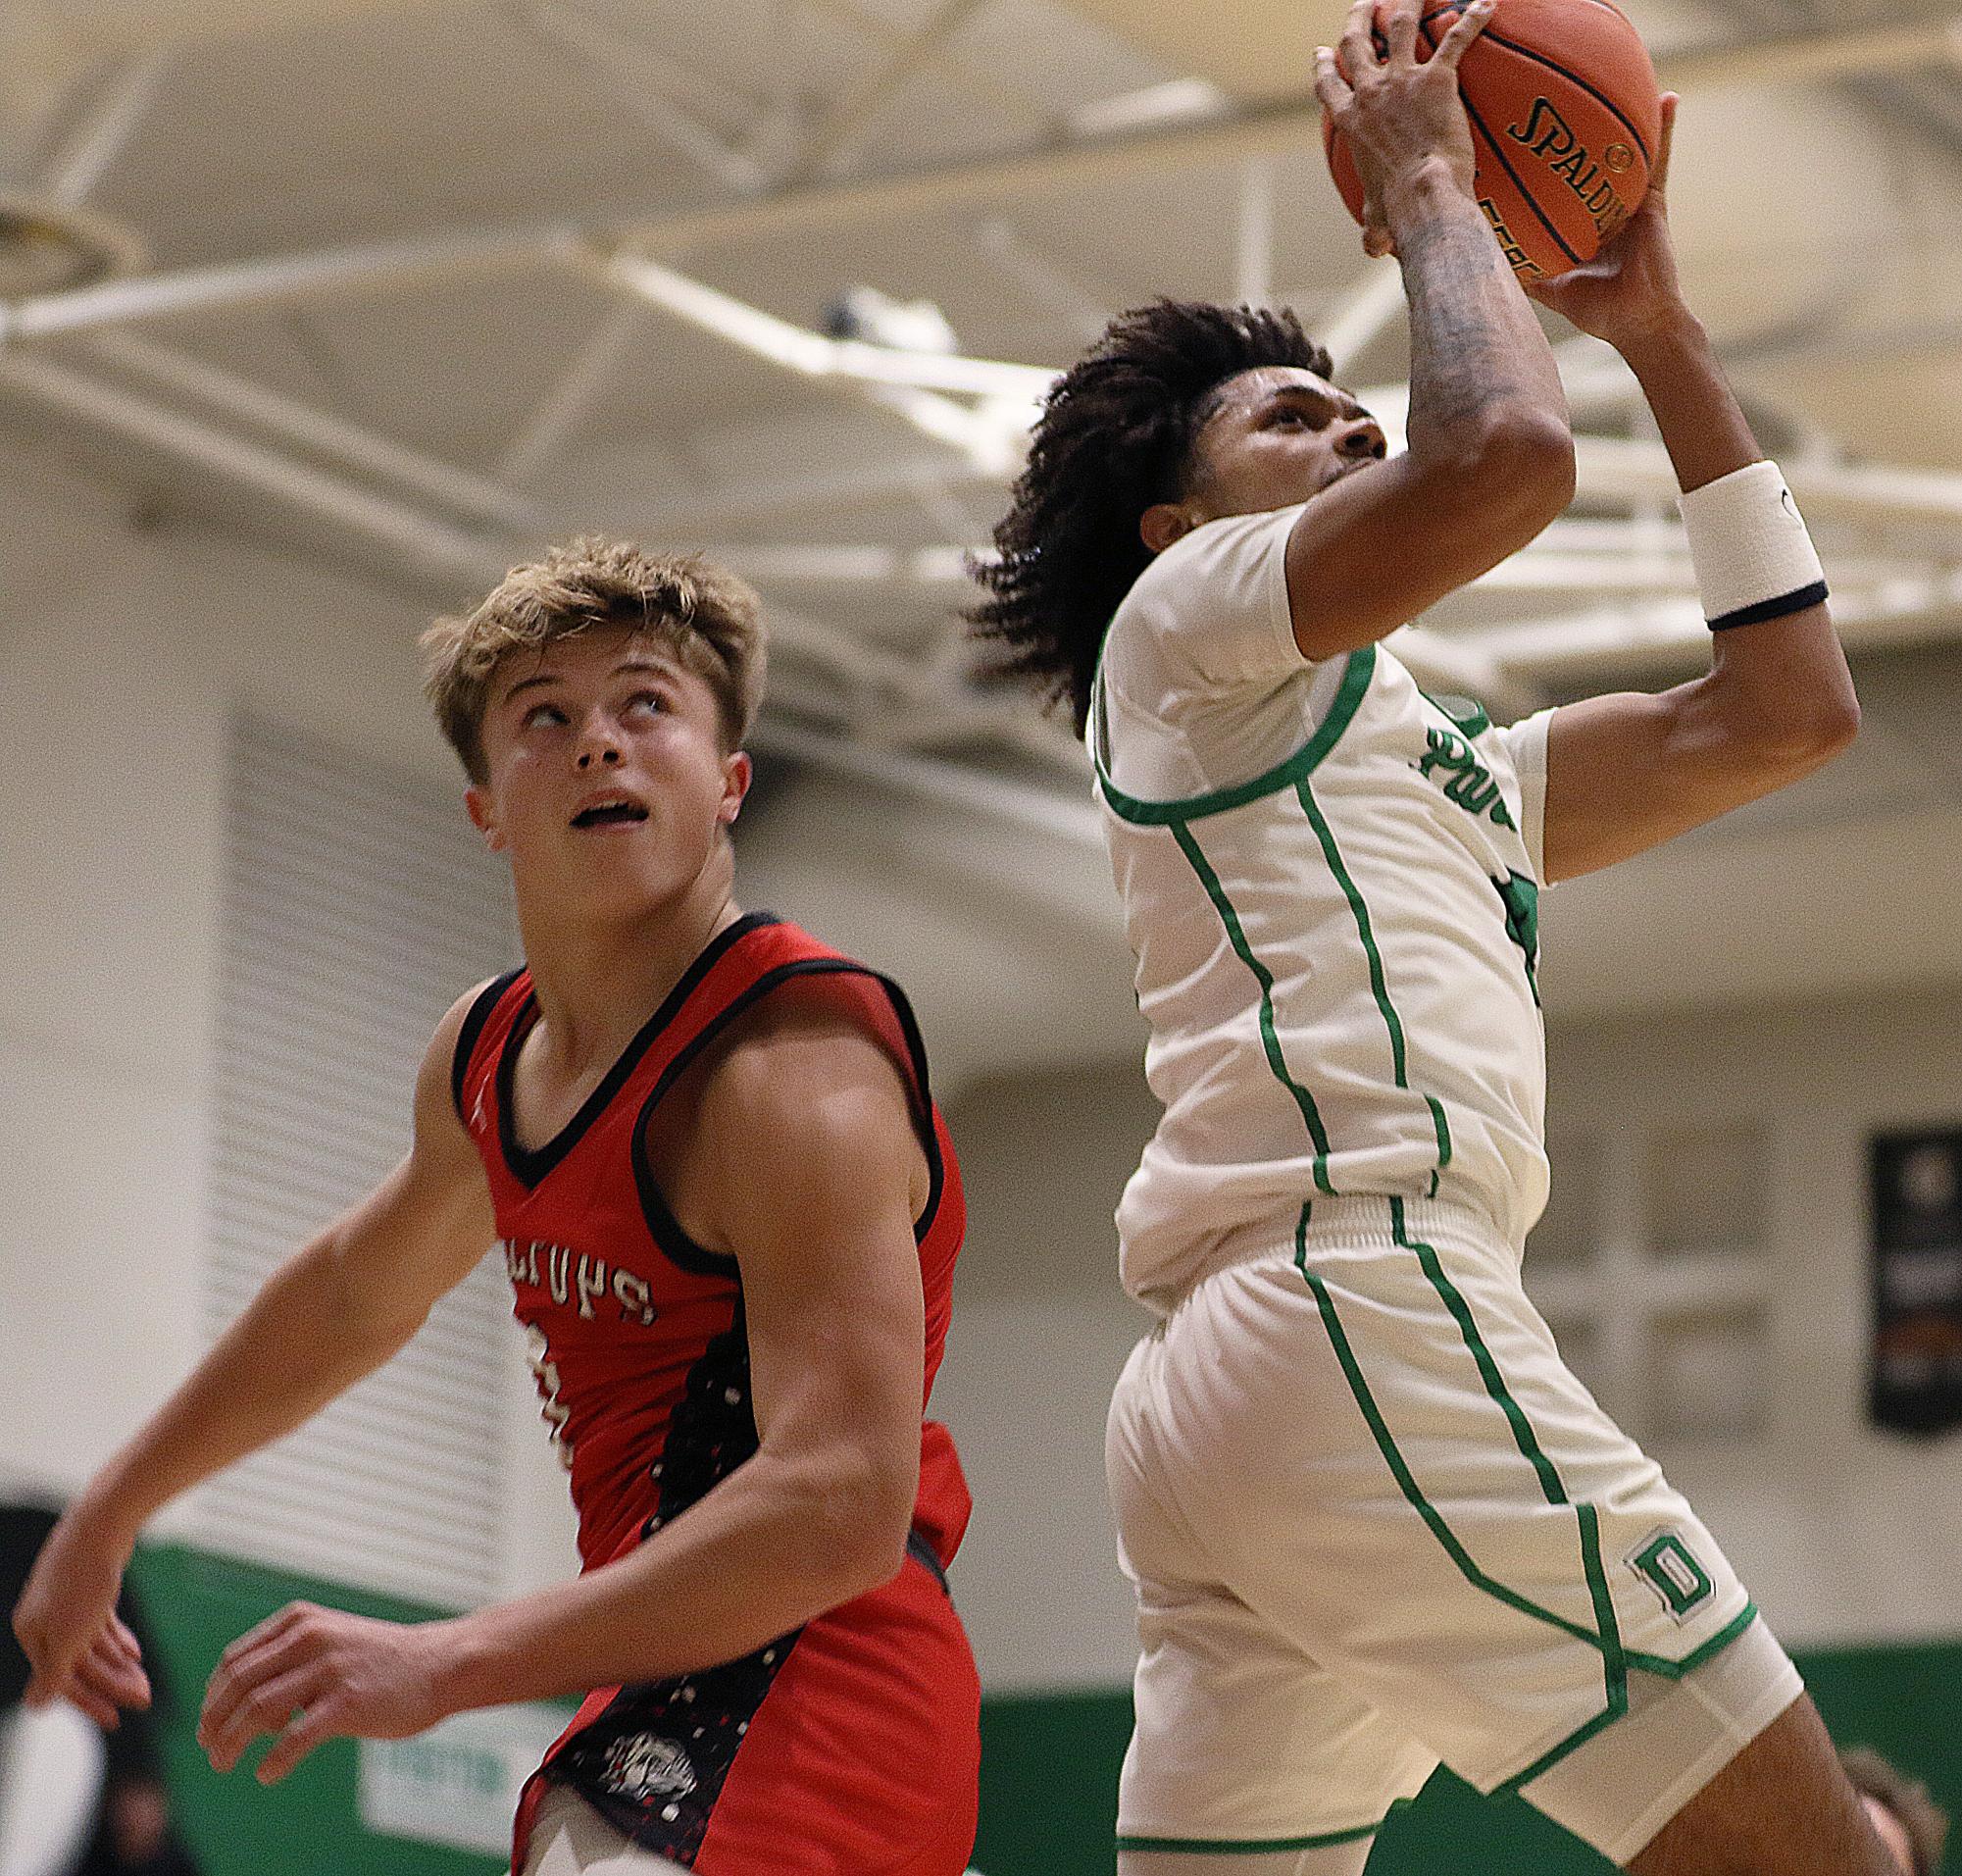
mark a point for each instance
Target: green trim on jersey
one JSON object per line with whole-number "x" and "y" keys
{"x": 1252, "y": 1845}
{"x": 1359, "y": 1388}
{"x": 1716, "y": 1645}
{"x": 1379, "y": 983}
{"x": 1469, "y": 727}
{"x": 1489, "y": 1370}
{"x": 1270, "y": 1039}
{"x": 1157, "y": 814}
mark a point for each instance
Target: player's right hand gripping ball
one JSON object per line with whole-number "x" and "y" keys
{"x": 1566, "y": 116}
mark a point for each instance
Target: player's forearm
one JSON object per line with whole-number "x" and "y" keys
{"x": 1695, "y": 411}
{"x": 1480, "y": 365}
{"x": 773, "y": 1545}
{"x": 298, "y": 1343}
{"x": 1778, "y": 698}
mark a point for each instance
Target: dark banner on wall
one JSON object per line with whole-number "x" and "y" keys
{"x": 1916, "y": 1377}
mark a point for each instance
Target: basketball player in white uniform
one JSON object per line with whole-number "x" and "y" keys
{"x": 1371, "y": 1520}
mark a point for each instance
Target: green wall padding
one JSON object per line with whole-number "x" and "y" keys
{"x": 1049, "y": 1762}
{"x": 309, "y": 1823}
{"x": 1050, "y": 1766}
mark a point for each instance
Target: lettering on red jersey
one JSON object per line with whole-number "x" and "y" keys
{"x": 564, "y": 1274}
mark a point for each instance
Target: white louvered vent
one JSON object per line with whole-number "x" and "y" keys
{"x": 357, "y": 907}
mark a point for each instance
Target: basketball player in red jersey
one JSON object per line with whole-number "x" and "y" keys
{"x": 706, "y": 1146}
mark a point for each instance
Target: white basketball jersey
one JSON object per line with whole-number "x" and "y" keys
{"x": 1329, "y": 884}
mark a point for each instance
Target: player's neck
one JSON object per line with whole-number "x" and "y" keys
{"x": 598, "y": 983}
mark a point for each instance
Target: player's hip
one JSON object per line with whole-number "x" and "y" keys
{"x": 851, "y": 1744}
{"x": 1188, "y": 1213}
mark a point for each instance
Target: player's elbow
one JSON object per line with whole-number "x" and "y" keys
{"x": 1496, "y": 481}
{"x": 1808, "y": 729}
{"x": 1521, "y": 463}
{"x": 859, "y": 1538}
{"x": 1811, "y": 737}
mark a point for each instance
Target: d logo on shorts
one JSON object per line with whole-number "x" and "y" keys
{"x": 1667, "y": 1565}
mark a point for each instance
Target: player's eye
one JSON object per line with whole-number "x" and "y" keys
{"x": 542, "y": 713}
{"x": 650, "y": 701}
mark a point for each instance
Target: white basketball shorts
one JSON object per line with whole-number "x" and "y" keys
{"x": 1373, "y": 1524}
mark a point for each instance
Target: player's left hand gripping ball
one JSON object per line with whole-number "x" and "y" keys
{"x": 310, "y": 1674}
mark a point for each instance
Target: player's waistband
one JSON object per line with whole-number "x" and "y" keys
{"x": 921, "y": 1551}
{"x": 1360, "y": 1220}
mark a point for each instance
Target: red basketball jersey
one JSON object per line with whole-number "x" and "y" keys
{"x": 639, "y": 1346}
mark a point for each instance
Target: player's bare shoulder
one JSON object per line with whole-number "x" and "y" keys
{"x": 793, "y": 1095}
{"x": 438, "y": 1123}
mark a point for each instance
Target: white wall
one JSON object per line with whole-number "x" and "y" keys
{"x": 121, "y": 653}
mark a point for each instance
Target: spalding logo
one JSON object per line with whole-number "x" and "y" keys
{"x": 645, "y": 1765}
{"x": 1550, "y": 137}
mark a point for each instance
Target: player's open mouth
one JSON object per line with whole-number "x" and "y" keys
{"x": 610, "y": 811}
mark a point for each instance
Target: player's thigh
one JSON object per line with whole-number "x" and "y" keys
{"x": 1242, "y": 1744}
{"x": 571, "y": 1839}
{"x": 1781, "y": 1808}
{"x": 1401, "y": 1477}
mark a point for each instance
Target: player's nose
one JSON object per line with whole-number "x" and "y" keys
{"x": 599, "y": 747}
{"x": 1362, "y": 441}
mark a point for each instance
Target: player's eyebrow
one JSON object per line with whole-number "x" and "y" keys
{"x": 532, "y": 682}
{"x": 1327, "y": 405}
{"x": 654, "y": 667}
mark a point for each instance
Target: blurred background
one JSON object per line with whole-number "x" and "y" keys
{"x": 315, "y": 315}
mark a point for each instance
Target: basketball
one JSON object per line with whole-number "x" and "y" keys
{"x": 1565, "y": 119}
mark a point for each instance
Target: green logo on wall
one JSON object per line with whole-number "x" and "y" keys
{"x": 1669, "y": 1567}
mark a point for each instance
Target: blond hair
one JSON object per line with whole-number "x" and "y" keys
{"x": 702, "y": 613}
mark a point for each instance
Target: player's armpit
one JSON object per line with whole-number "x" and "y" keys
{"x": 1626, "y": 771}
{"x": 1389, "y": 540}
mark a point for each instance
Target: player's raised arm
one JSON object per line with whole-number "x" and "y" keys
{"x": 336, "y": 1310}
{"x": 1490, "y": 459}
{"x": 1628, "y": 771}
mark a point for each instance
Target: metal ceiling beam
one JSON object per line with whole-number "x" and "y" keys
{"x": 577, "y": 388}
{"x": 1911, "y": 610}
{"x": 1613, "y": 468}
{"x": 479, "y": 503}
{"x": 631, "y": 73}
{"x": 80, "y": 32}
{"x": 281, "y": 278}
{"x": 921, "y": 778}
{"x": 445, "y": 561}
{"x": 815, "y": 354}
{"x": 1284, "y": 125}
{"x": 864, "y": 103}
{"x": 90, "y": 145}
{"x": 1352, "y": 322}
{"x": 442, "y": 563}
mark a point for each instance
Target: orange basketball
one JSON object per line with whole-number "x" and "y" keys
{"x": 1565, "y": 120}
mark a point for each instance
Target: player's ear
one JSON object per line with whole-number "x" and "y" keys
{"x": 1162, "y": 524}
{"x": 483, "y": 816}
{"x": 737, "y": 772}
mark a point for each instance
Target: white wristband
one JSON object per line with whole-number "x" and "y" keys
{"x": 1752, "y": 556}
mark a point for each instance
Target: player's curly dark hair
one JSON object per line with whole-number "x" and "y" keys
{"x": 1115, "y": 435}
